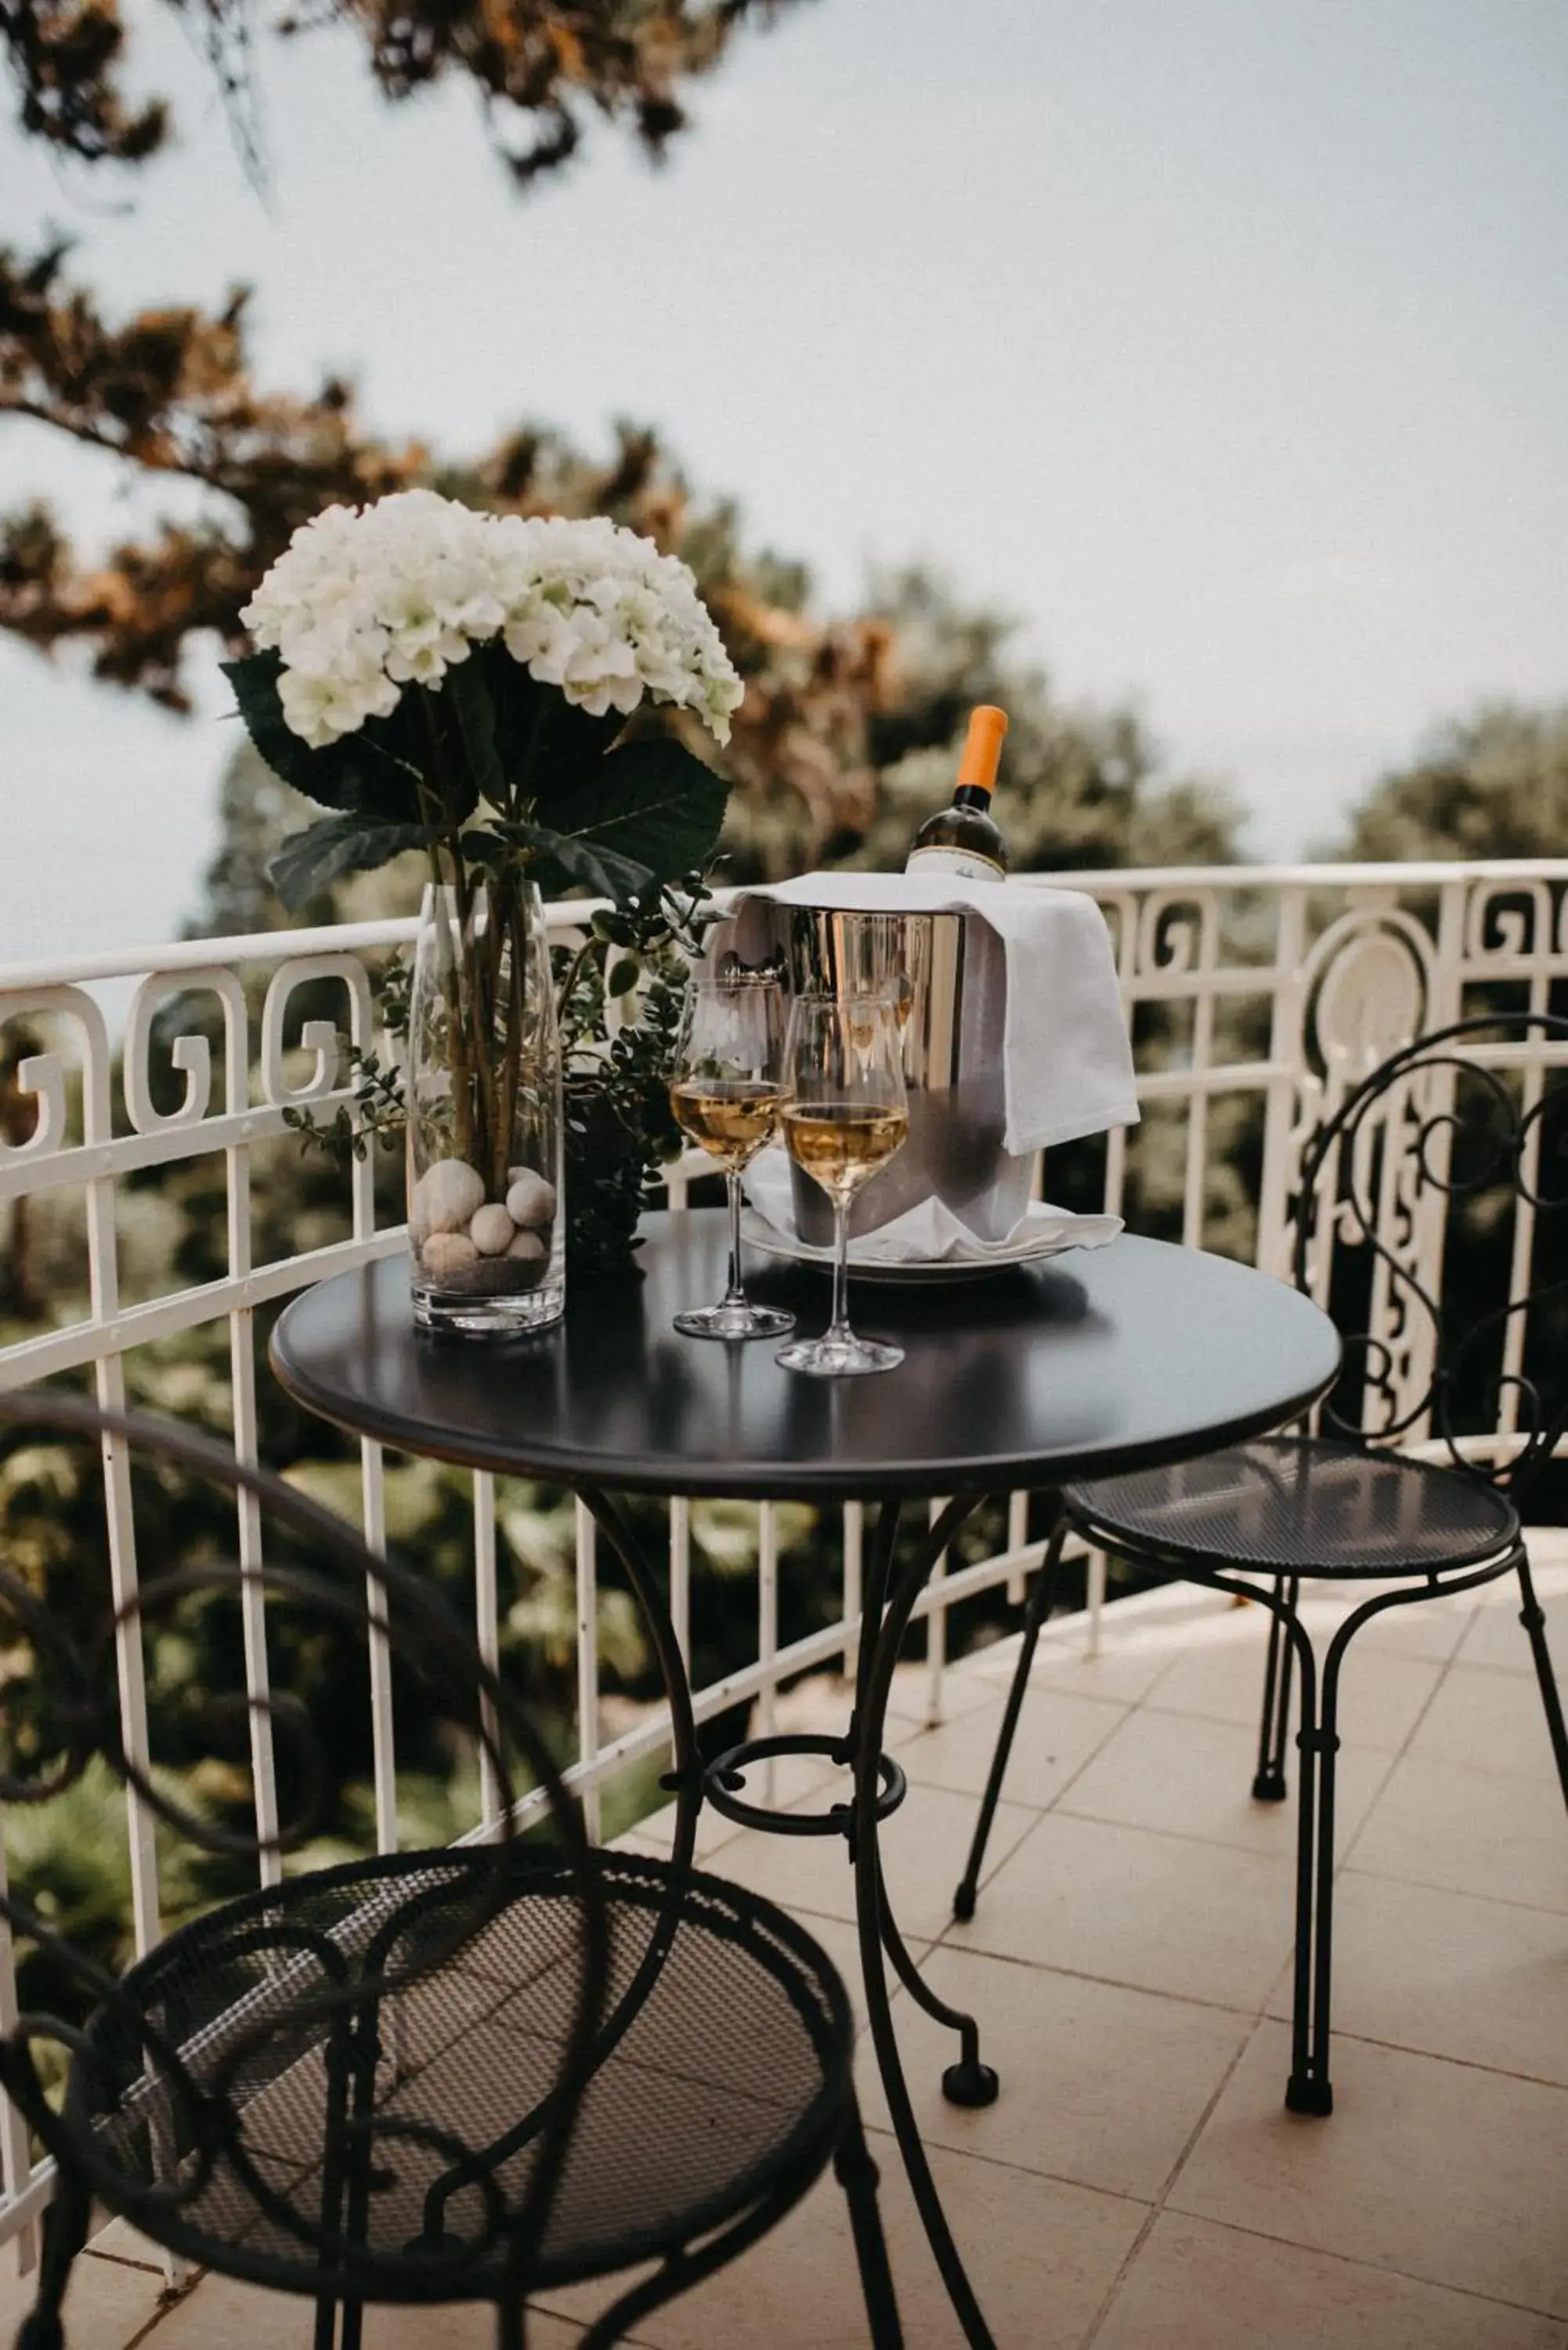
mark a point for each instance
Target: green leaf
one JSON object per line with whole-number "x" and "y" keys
{"x": 625, "y": 976}
{"x": 466, "y": 690}
{"x": 374, "y": 771}
{"x": 572, "y": 862}
{"x": 547, "y": 745}
{"x": 322, "y": 775}
{"x": 340, "y": 844}
{"x": 662, "y": 806}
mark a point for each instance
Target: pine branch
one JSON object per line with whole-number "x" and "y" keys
{"x": 543, "y": 67}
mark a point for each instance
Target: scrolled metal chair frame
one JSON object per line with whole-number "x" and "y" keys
{"x": 1348, "y": 1138}
{"x": 344, "y": 2009}
{"x": 395, "y": 1936}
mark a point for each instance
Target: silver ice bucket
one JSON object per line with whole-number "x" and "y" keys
{"x": 948, "y": 975}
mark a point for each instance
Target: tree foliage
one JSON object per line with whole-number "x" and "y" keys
{"x": 542, "y": 68}
{"x": 1494, "y": 784}
{"x": 169, "y": 393}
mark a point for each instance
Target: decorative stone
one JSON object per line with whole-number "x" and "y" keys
{"x": 491, "y": 1228}
{"x": 448, "y": 1253}
{"x": 446, "y": 1196}
{"x": 525, "y": 1260}
{"x": 530, "y": 1202}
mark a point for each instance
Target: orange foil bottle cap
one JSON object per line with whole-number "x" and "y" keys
{"x": 982, "y": 748}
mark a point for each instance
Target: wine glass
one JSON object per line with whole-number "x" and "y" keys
{"x": 726, "y": 1093}
{"x": 845, "y": 1116}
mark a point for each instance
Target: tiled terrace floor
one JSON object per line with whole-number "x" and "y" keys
{"x": 1138, "y": 2186}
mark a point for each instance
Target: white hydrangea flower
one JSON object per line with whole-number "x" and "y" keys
{"x": 365, "y": 601}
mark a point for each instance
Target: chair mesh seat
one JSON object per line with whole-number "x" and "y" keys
{"x": 1310, "y": 1505}
{"x": 734, "y": 2059}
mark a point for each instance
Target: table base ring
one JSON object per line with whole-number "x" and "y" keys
{"x": 722, "y": 1779}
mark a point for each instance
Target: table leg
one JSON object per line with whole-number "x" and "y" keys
{"x": 888, "y": 1607}
{"x": 879, "y": 1935}
{"x": 684, "y": 1779}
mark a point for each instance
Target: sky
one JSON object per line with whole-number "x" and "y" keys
{"x": 1223, "y": 344}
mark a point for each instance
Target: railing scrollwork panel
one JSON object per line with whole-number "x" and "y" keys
{"x": 192, "y": 1054}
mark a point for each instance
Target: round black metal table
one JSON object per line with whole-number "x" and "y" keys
{"x": 1091, "y": 1364}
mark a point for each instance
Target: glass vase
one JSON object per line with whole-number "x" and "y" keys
{"x": 486, "y": 1221}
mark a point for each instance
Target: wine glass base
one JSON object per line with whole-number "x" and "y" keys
{"x": 839, "y": 1359}
{"x": 742, "y": 1321}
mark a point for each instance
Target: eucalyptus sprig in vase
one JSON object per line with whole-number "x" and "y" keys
{"x": 483, "y": 688}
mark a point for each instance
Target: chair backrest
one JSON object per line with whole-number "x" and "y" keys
{"x": 1432, "y": 1220}
{"x": 178, "y": 2093}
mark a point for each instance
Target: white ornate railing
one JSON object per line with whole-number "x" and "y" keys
{"x": 1255, "y": 996}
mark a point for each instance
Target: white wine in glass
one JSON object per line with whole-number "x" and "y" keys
{"x": 726, "y": 1093}
{"x": 846, "y": 1115}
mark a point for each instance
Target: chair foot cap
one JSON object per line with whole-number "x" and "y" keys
{"x": 963, "y": 1904}
{"x": 970, "y": 2084}
{"x": 1269, "y": 1787}
{"x": 1304, "y": 2095}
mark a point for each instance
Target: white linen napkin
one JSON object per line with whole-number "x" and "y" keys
{"x": 927, "y": 1234}
{"x": 1068, "y": 1061}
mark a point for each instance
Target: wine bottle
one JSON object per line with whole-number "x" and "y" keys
{"x": 962, "y": 839}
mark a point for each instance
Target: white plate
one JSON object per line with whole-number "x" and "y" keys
{"x": 1053, "y": 1235}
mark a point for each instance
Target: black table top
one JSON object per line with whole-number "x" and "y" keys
{"x": 1097, "y": 1361}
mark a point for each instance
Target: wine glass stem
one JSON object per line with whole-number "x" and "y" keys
{"x": 735, "y": 1294}
{"x": 839, "y": 1326}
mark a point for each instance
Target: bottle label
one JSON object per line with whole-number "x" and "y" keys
{"x": 964, "y": 863}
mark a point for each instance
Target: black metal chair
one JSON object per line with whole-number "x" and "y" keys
{"x": 468, "y": 2073}
{"x": 1455, "y": 1148}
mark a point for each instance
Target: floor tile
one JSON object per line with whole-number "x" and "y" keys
{"x": 1159, "y": 1912}
{"x": 910, "y": 1698}
{"x": 121, "y": 2241}
{"x": 924, "y": 1846}
{"x": 1195, "y": 2286}
{"x": 1483, "y": 1981}
{"x": 1189, "y": 1776}
{"x": 1439, "y": 2171}
{"x": 1102, "y": 2086}
{"x": 459, "y": 2325}
{"x": 1382, "y": 1693}
{"x": 219, "y": 2314}
{"x": 1490, "y": 1721}
{"x": 840, "y": 1939}
{"x": 222, "y": 2315}
{"x": 1430, "y": 1629}
{"x": 1040, "y": 2255}
{"x": 1481, "y": 1832}
{"x": 655, "y": 1834}
{"x": 1123, "y": 1670}
{"x": 1497, "y": 1639}
{"x": 1057, "y": 1732}
{"x": 108, "y": 2303}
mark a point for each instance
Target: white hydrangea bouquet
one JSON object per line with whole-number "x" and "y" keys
{"x": 484, "y": 688}
{"x": 462, "y": 683}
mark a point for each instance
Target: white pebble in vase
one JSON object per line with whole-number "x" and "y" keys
{"x": 491, "y": 1228}
{"x": 527, "y": 1248}
{"x": 530, "y": 1200}
{"x": 448, "y": 1253}
{"x": 446, "y": 1195}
